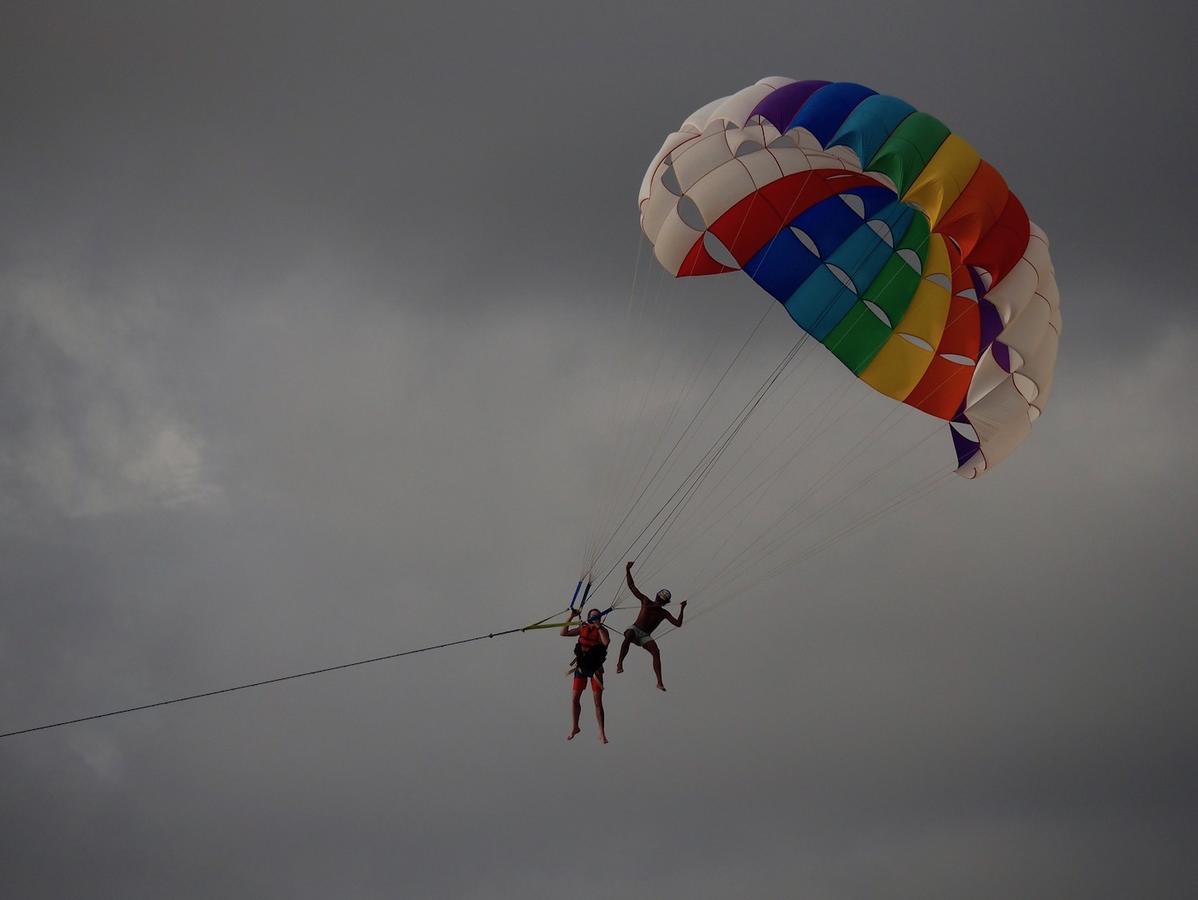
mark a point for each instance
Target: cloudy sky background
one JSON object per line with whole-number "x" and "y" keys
{"x": 305, "y": 321}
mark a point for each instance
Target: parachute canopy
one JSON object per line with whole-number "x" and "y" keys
{"x": 886, "y": 237}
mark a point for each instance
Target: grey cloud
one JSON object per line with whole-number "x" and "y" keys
{"x": 90, "y": 432}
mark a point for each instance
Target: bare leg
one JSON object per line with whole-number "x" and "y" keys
{"x": 651, "y": 646}
{"x": 575, "y": 709}
{"x": 623, "y": 652}
{"x": 599, "y": 714}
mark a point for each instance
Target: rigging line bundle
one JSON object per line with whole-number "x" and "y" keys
{"x": 728, "y": 433}
{"x": 707, "y": 400}
{"x": 773, "y": 541}
{"x": 914, "y": 494}
{"x": 685, "y": 431}
{"x": 694, "y": 487}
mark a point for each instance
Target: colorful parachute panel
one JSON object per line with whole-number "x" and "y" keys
{"x": 884, "y": 235}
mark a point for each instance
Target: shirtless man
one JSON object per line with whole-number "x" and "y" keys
{"x": 653, "y": 613}
{"x": 589, "y": 654}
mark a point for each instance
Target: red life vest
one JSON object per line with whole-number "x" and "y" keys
{"x": 588, "y": 637}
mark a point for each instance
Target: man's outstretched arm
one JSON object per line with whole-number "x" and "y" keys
{"x": 632, "y": 584}
{"x": 677, "y": 623}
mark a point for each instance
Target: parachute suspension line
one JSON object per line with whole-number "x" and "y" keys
{"x": 781, "y": 409}
{"x": 923, "y": 488}
{"x": 803, "y": 420}
{"x": 693, "y": 487}
{"x": 634, "y": 403}
{"x": 645, "y": 297}
{"x": 765, "y": 535}
{"x": 832, "y": 347}
{"x": 819, "y": 319}
{"x": 768, "y": 250}
{"x": 708, "y": 464}
{"x": 822, "y": 413}
{"x": 770, "y": 478}
{"x": 770, "y": 531}
{"x": 787, "y": 537}
{"x": 764, "y": 483}
{"x": 845, "y": 461}
{"x": 917, "y": 492}
{"x": 743, "y": 417}
{"x": 633, "y": 441}
{"x": 716, "y": 451}
{"x": 680, "y": 399}
{"x": 943, "y": 476}
{"x": 936, "y": 479}
{"x": 686, "y": 431}
{"x": 779, "y": 541}
{"x": 675, "y": 407}
{"x": 621, "y": 409}
{"x": 632, "y": 409}
{"x": 656, "y": 476}
{"x": 594, "y": 557}
{"x": 709, "y": 459}
{"x": 696, "y": 468}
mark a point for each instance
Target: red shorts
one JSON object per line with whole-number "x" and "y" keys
{"x": 580, "y": 682}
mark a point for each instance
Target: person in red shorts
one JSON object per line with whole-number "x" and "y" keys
{"x": 589, "y": 655}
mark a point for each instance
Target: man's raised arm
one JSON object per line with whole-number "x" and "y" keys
{"x": 632, "y": 584}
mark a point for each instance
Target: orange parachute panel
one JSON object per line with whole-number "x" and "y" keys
{"x": 976, "y": 210}
{"x": 942, "y": 389}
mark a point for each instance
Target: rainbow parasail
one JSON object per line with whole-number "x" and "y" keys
{"x": 884, "y": 234}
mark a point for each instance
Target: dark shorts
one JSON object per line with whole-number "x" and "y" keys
{"x": 638, "y": 635}
{"x": 581, "y": 676}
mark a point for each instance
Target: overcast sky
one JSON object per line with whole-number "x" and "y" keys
{"x": 307, "y": 322}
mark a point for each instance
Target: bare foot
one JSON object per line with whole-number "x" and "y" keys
{"x": 570, "y": 736}
{"x": 660, "y": 686}
{"x": 619, "y": 669}
{"x": 602, "y": 738}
